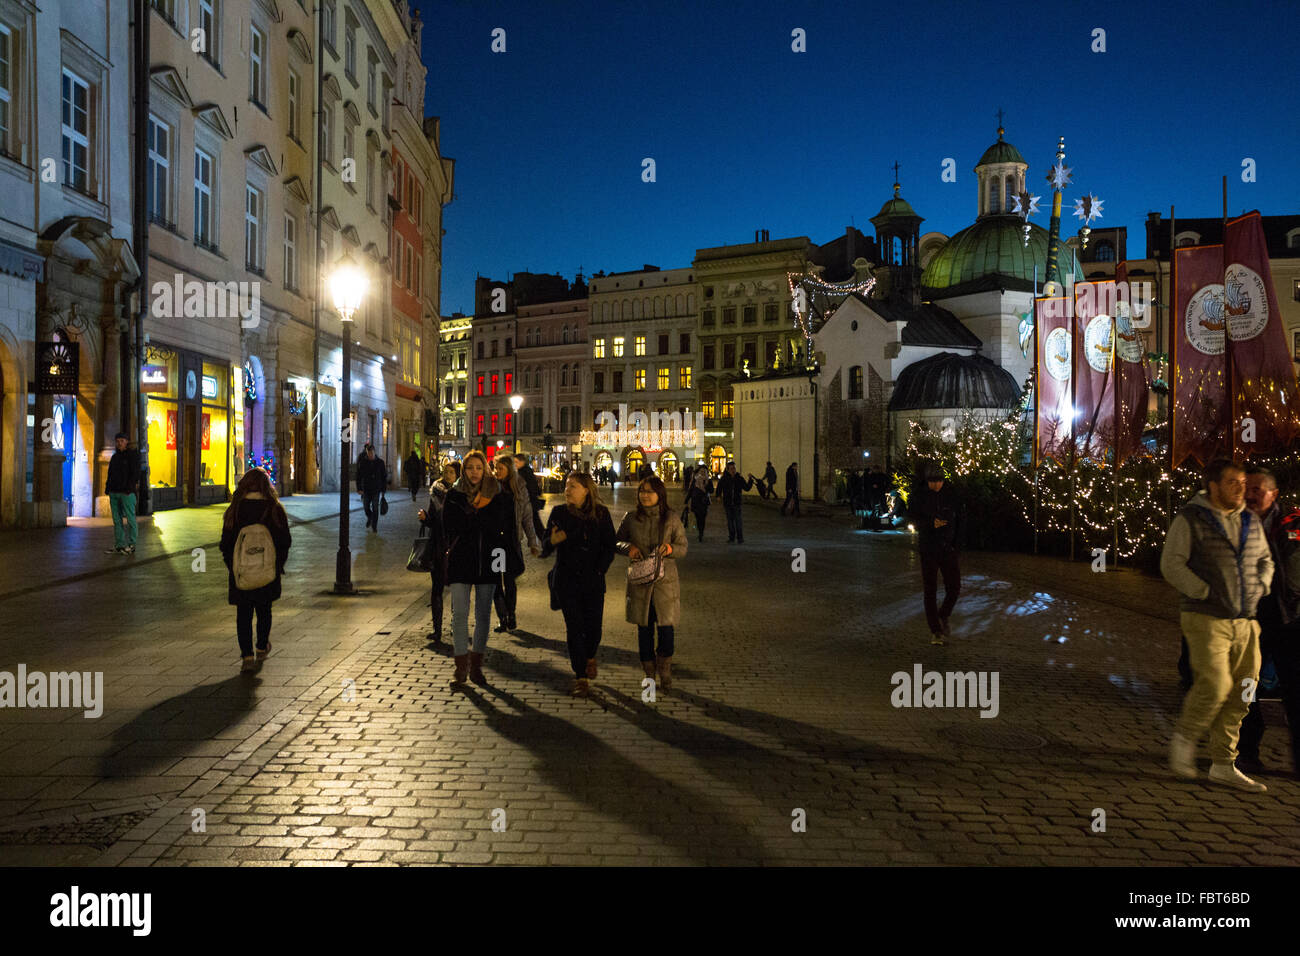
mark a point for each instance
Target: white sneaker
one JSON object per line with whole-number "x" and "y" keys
{"x": 1182, "y": 757}
{"x": 1228, "y": 775}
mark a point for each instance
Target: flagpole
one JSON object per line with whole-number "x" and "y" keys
{"x": 1227, "y": 337}
{"x": 1033, "y": 458}
{"x": 1114, "y": 428}
{"x": 1171, "y": 401}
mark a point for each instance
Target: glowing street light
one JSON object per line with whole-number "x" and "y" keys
{"x": 515, "y": 402}
{"x": 347, "y": 284}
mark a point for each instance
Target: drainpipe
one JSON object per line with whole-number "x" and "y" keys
{"x": 140, "y": 228}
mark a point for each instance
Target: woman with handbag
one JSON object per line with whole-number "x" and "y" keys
{"x": 254, "y": 504}
{"x": 477, "y": 520}
{"x": 581, "y": 535}
{"x": 436, "y": 546}
{"x": 507, "y": 595}
{"x": 653, "y": 538}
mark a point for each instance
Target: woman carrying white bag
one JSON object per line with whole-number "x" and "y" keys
{"x": 653, "y": 537}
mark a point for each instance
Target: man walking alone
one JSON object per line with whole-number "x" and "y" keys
{"x": 937, "y": 515}
{"x": 791, "y": 488}
{"x": 731, "y": 489}
{"x": 1218, "y": 559}
{"x": 372, "y": 481}
{"x": 121, "y": 485}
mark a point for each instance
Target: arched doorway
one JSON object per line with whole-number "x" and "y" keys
{"x": 605, "y": 460}
{"x": 632, "y": 464}
{"x": 717, "y": 459}
{"x": 669, "y": 467}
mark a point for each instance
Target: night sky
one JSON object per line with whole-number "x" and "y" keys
{"x": 549, "y": 137}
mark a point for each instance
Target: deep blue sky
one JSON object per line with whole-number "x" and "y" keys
{"x": 549, "y": 137}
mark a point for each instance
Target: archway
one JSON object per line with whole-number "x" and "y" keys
{"x": 669, "y": 467}
{"x": 717, "y": 459}
{"x": 632, "y": 464}
{"x": 605, "y": 460}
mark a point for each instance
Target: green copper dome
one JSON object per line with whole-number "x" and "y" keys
{"x": 1001, "y": 152}
{"x": 895, "y": 207}
{"x": 992, "y": 254}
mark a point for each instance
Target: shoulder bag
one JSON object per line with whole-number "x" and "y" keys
{"x": 648, "y": 570}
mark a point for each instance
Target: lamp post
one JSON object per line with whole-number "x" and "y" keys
{"x": 515, "y": 402}
{"x": 548, "y": 443}
{"x": 347, "y": 288}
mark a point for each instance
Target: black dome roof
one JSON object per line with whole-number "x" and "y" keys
{"x": 948, "y": 380}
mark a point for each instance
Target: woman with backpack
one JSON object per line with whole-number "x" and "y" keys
{"x": 478, "y": 520}
{"x": 581, "y": 536}
{"x": 431, "y": 519}
{"x": 255, "y": 544}
{"x": 507, "y": 594}
{"x": 652, "y": 534}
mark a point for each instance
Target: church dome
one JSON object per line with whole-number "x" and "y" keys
{"x": 991, "y": 254}
{"x": 894, "y": 208}
{"x": 1001, "y": 152}
{"x": 949, "y": 380}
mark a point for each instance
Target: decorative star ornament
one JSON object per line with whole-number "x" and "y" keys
{"x": 1088, "y": 208}
{"x": 1059, "y": 175}
{"x": 1024, "y": 204}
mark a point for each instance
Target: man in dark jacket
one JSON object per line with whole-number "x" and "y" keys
{"x": 372, "y": 480}
{"x": 122, "y": 485}
{"x": 534, "y": 487}
{"x": 1218, "y": 559}
{"x": 731, "y": 489}
{"x": 937, "y": 517}
{"x": 791, "y": 488}
{"x": 1278, "y": 615}
{"x": 769, "y": 479}
{"x": 414, "y": 469}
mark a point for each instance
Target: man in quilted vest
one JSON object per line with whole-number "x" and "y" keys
{"x": 1217, "y": 558}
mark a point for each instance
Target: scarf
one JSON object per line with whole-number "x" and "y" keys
{"x": 489, "y": 487}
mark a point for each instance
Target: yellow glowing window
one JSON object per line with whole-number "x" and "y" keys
{"x": 640, "y": 380}
{"x": 598, "y": 349}
{"x": 640, "y": 345}
{"x": 618, "y": 346}
{"x": 664, "y": 379}
{"x": 684, "y": 377}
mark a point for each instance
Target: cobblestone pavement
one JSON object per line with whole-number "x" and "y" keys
{"x": 781, "y": 712}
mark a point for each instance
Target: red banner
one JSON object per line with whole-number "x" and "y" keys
{"x": 1132, "y": 379}
{"x": 1263, "y": 374}
{"x": 171, "y": 429}
{"x": 1053, "y": 362}
{"x": 1094, "y": 392}
{"x": 1201, "y": 412}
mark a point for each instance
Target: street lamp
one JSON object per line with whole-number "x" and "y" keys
{"x": 515, "y": 402}
{"x": 548, "y": 443}
{"x": 347, "y": 288}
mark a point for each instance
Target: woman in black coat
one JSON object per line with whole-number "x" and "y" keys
{"x": 478, "y": 520}
{"x": 254, "y": 502}
{"x": 581, "y": 535}
{"x": 431, "y": 519}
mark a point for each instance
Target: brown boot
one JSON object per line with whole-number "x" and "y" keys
{"x": 462, "y": 669}
{"x": 666, "y": 673}
{"x": 591, "y": 668}
{"x": 476, "y": 669}
{"x": 649, "y": 668}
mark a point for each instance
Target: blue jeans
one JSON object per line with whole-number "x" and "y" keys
{"x": 122, "y": 504}
{"x": 460, "y": 616}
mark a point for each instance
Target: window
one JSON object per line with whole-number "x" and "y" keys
{"x": 409, "y": 255}
{"x": 252, "y": 229}
{"x": 598, "y": 348}
{"x": 295, "y": 85}
{"x": 496, "y": 380}
{"x": 729, "y": 355}
{"x": 729, "y": 315}
{"x": 495, "y": 419}
{"x": 370, "y": 86}
{"x": 203, "y": 231}
{"x": 769, "y": 354}
{"x": 349, "y": 141}
{"x": 598, "y": 383}
{"x": 684, "y": 377}
{"x": 663, "y": 343}
{"x": 564, "y": 418}
{"x": 480, "y": 424}
{"x": 855, "y": 383}
{"x": 370, "y": 178}
{"x": 290, "y": 252}
{"x": 707, "y": 407}
{"x": 710, "y": 350}
{"x": 326, "y": 134}
{"x": 510, "y": 382}
{"x": 510, "y": 346}
{"x": 76, "y": 132}
{"x": 747, "y": 354}
{"x": 639, "y": 383}
{"x": 327, "y": 22}
{"x": 564, "y": 376}
{"x": 684, "y": 343}
{"x": 494, "y": 348}
{"x": 167, "y": 8}
{"x": 708, "y": 292}
{"x": 728, "y": 406}
{"x": 480, "y": 383}
{"x": 664, "y": 377}
{"x": 480, "y": 353}
{"x": 257, "y": 66}
{"x": 564, "y": 335}
{"x": 460, "y": 394}
{"x": 707, "y": 318}
{"x": 1105, "y": 251}
{"x": 769, "y": 312}
{"x": 993, "y": 196}
{"x": 350, "y": 65}
{"x": 509, "y": 423}
{"x": 211, "y": 34}
{"x": 750, "y": 314}
{"x": 159, "y": 184}
{"x": 618, "y": 380}
{"x": 640, "y": 345}
{"x": 7, "y": 145}
{"x": 618, "y": 346}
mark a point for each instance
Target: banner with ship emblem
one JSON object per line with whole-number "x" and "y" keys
{"x": 1201, "y": 414}
{"x": 1132, "y": 378}
{"x": 1094, "y": 392}
{"x": 1263, "y": 374}
{"x": 1053, "y": 361}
